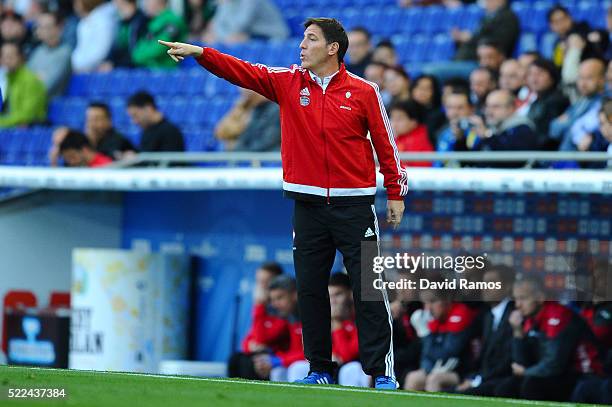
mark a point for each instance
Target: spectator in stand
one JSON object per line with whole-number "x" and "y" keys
{"x": 26, "y": 94}
{"x": 163, "y": 25}
{"x": 499, "y": 24}
{"x": 269, "y": 331}
{"x": 198, "y": 14}
{"x": 132, "y": 27}
{"x": 375, "y": 72}
{"x": 459, "y": 109}
{"x": 570, "y": 129}
{"x": 426, "y": 90}
{"x": 547, "y": 101}
{"x": 359, "y": 50}
{"x": 550, "y": 346}
{"x": 77, "y": 152}
{"x": 397, "y": 84}
{"x": 278, "y": 366}
{"x": 454, "y": 85}
{"x": 95, "y": 34}
{"x": 158, "y": 133}
{"x": 345, "y": 342}
{"x": 482, "y": 82}
{"x": 407, "y": 121}
{"x": 496, "y": 354}
{"x": 601, "y": 139}
{"x": 512, "y": 77}
{"x": 50, "y": 60}
{"x": 101, "y": 133}
{"x": 490, "y": 54}
{"x": 445, "y": 331}
{"x": 502, "y": 129}
{"x": 238, "y": 21}
{"x": 385, "y": 53}
{"x": 13, "y": 28}
{"x": 252, "y": 125}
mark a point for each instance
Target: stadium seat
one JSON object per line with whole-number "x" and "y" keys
{"x": 59, "y": 299}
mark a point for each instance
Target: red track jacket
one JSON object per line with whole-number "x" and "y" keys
{"x": 326, "y": 153}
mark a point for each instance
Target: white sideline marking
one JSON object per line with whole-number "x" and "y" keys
{"x": 309, "y": 387}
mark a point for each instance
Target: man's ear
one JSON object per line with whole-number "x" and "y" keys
{"x": 333, "y": 48}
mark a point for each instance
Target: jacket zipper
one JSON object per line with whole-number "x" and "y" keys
{"x": 325, "y": 141}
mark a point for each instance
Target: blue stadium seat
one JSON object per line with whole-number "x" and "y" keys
{"x": 527, "y": 42}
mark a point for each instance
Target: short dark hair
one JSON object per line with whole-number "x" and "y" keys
{"x": 457, "y": 84}
{"x": 533, "y": 279}
{"x": 283, "y": 282}
{"x": 413, "y": 109}
{"x": 492, "y": 74}
{"x": 74, "y": 140}
{"x": 554, "y": 9}
{"x": 332, "y": 31}
{"x": 550, "y": 67}
{"x": 101, "y": 105}
{"x": 362, "y": 30}
{"x": 506, "y": 273}
{"x": 462, "y": 92}
{"x": 340, "y": 279}
{"x": 141, "y": 99}
{"x": 488, "y": 42}
{"x": 272, "y": 267}
{"x": 57, "y": 17}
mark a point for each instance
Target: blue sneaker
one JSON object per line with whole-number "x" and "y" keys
{"x": 316, "y": 378}
{"x": 385, "y": 383}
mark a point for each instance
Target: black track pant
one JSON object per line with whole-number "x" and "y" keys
{"x": 319, "y": 230}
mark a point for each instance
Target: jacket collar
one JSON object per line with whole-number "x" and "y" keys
{"x": 338, "y": 76}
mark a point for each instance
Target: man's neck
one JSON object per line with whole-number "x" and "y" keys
{"x": 326, "y": 70}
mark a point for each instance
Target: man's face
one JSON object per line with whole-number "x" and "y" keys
{"x": 11, "y": 58}
{"x": 96, "y": 122}
{"x": 497, "y": 108}
{"x": 538, "y": 79}
{"x": 512, "y": 76}
{"x": 395, "y": 83}
{"x": 283, "y": 301}
{"x": 359, "y": 46}
{"x": 457, "y": 107}
{"x": 401, "y": 123}
{"x": 437, "y": 307}
{"x": 375, "y": 73}
{"x": 339, "y": 296}
{"x": 526, "y": 299}
{"x": 74, "y": 158}
{"x": 139, "y": 115}
{"x": 493, "y": 5}
{"x": 494, "y": 296}
{"x": 489, "y": 57}
{"x": 314, "y": 50}
{"x": 47, "y": 30}
{"x": 263, "y": 278}
{"x": 153, "y": 7}
{"x": 385, "y": 55}
{"x": 12, "y": 29}
{"x": 591, "y": 78}
{"x": 480, "y": 83}
{"x": 560, "y": 23}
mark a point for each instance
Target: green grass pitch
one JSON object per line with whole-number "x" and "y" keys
{"x": 87, "y": 388}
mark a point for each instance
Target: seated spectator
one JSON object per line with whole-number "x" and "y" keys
{"x": 490, "y": 54}
{"x": 163, "y": 25}
{"x": 13, "y": 28}
{"x": 77, "y": 152}
{"x": 198, "y": 14}
{"x": 279, "y": 365}
{"x": 459, "y": 109}
{"x": 375, "y": 72}
{"x": 407, "y": 122}
{"x": 550, "y": 346}
{"x": 496, "y": 354}
{"x": 426, "y": 90}
{"x": 26, "y": 94}
{"x": 499, "y": 25}
{"x": 512, "y": 77}
{"x": 397, "y": 84}
{"x": 547, "y": 101}
{"x": 359, "y": 51}
{"x": 268, "y": 332}
{"x": 253, "y": 124}
{"x": 581, "y": 118}
{"x": 482, "y": 81}
{"x": 601, "y": 139}
{"x": 345, "y": 341}
{"x": 50, "y": 60}
{"x": 385, "y": 53}
{"x": 445, "y": 342}
{"x": 132, "y": 27}
{"x": 502, "y": 129}
{"x": 242, "y": 20}
{"x": 95, "y": 33}
{"x": 158, "y": 133}
{"x": 454, "y": 85}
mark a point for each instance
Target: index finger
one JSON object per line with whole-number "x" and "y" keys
{"x": 166, "y": 43}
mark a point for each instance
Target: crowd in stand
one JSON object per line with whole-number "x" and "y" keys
{"x": 483, "y": 100}
{"x": 510, "y": 342}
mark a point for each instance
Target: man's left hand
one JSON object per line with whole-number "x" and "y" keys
{"x": 395, "y": 211}
{"x": 518, "y": 370}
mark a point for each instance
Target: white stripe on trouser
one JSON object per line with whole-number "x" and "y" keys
{"x": 389, "y": 357}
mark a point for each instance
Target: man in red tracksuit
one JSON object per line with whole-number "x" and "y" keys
{"x": 329, "y": 170}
